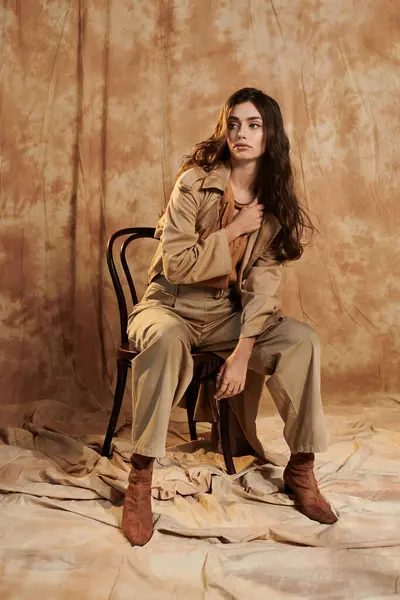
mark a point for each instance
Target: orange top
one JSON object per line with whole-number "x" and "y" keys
{"x": 237, "y": 247}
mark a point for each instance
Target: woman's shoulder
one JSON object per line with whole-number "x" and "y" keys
{"x": 200, "y": 179}
{"x": 191, "y": 179}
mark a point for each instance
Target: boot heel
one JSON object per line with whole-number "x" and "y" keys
{"x": 287, "y": 490}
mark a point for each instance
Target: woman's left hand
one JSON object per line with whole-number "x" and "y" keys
{"x": 231, "y": 377}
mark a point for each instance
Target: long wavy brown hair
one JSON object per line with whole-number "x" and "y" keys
{"x": 274, "y": 182}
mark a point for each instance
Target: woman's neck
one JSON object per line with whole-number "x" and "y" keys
{"x": 243, "y": 174}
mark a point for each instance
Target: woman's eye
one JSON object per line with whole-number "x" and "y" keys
{"x": 254, "y": 125}
{"x": 232, "y": 125}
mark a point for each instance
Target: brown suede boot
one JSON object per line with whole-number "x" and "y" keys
{"x": 300, "y": 481}
{"x": 137, "y": 517}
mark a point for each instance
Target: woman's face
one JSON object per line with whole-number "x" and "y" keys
{"x": 246, "y": 134}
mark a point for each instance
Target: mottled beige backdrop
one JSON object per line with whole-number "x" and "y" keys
{"x": 100, "y": 99}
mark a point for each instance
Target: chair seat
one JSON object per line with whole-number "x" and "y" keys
{"x": 125, "y": 352}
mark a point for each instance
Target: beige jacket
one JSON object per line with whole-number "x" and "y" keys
{"x": 185, "y": 258}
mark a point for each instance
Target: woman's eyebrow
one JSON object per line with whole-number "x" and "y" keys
{"x": 248, "y": 119}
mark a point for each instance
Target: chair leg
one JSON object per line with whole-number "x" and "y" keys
{"x": 122, "y": 372}
{"x": 225, "y": 437}
{"x": 191, "y": 398}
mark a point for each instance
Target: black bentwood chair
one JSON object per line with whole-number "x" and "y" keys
{"x": 206, "y": 364}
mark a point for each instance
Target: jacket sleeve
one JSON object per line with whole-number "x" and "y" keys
{"x": 186, "y": 258}
{"x": 258, "y": 294}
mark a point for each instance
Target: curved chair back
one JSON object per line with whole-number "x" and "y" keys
{"x": 133, "y": 233}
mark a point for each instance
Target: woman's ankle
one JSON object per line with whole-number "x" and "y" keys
{"x": 141, "y": 462}
{"x": 301, "y": 458}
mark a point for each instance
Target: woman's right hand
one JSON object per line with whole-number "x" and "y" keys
{"x": 249, "y": 219}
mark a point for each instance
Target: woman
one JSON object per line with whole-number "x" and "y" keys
{"x": 232, "y": 221}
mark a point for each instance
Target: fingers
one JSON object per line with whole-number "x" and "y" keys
{"x": 258, "y": 209}
{"x": 257, "y": 215}
{"x": 228, "y": 384}
{"x": 237, "y": 389}
{"x": 252, "y": 203}
{"x": 256, "y": 206}
{"x": 222, "y": 391}
{"x": 220, "y": 374}
{"x": 226, "y": 389}
{"x": 221, "y": 385}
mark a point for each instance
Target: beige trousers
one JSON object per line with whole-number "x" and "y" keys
{"x": 171, "y": 319}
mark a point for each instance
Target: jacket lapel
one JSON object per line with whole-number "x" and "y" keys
{"x": 217, "y": 178}
{"x": 257, "y": 241}
{"x": 247, "y": 253}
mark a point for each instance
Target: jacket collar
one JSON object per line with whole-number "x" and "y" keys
{"x": 217, "y": 178}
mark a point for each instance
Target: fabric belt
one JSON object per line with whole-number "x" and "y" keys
{"x": 193, "y": 290}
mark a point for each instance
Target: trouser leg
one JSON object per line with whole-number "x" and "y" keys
{"x": 290, "y": 351}
{"x": 295, "y": 383}
{"x": 161, "y": 374}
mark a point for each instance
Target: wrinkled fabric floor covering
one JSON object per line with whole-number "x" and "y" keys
{"x": 61, "y": 509}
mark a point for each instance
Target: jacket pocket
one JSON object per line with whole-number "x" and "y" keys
{"x": 158, "y": 294}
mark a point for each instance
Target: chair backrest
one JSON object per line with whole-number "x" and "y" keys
{"x": 133, "y": 233}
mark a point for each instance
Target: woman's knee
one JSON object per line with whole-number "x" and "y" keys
{"x": 167, "y": 335}
{"x": 300, "y": 332}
